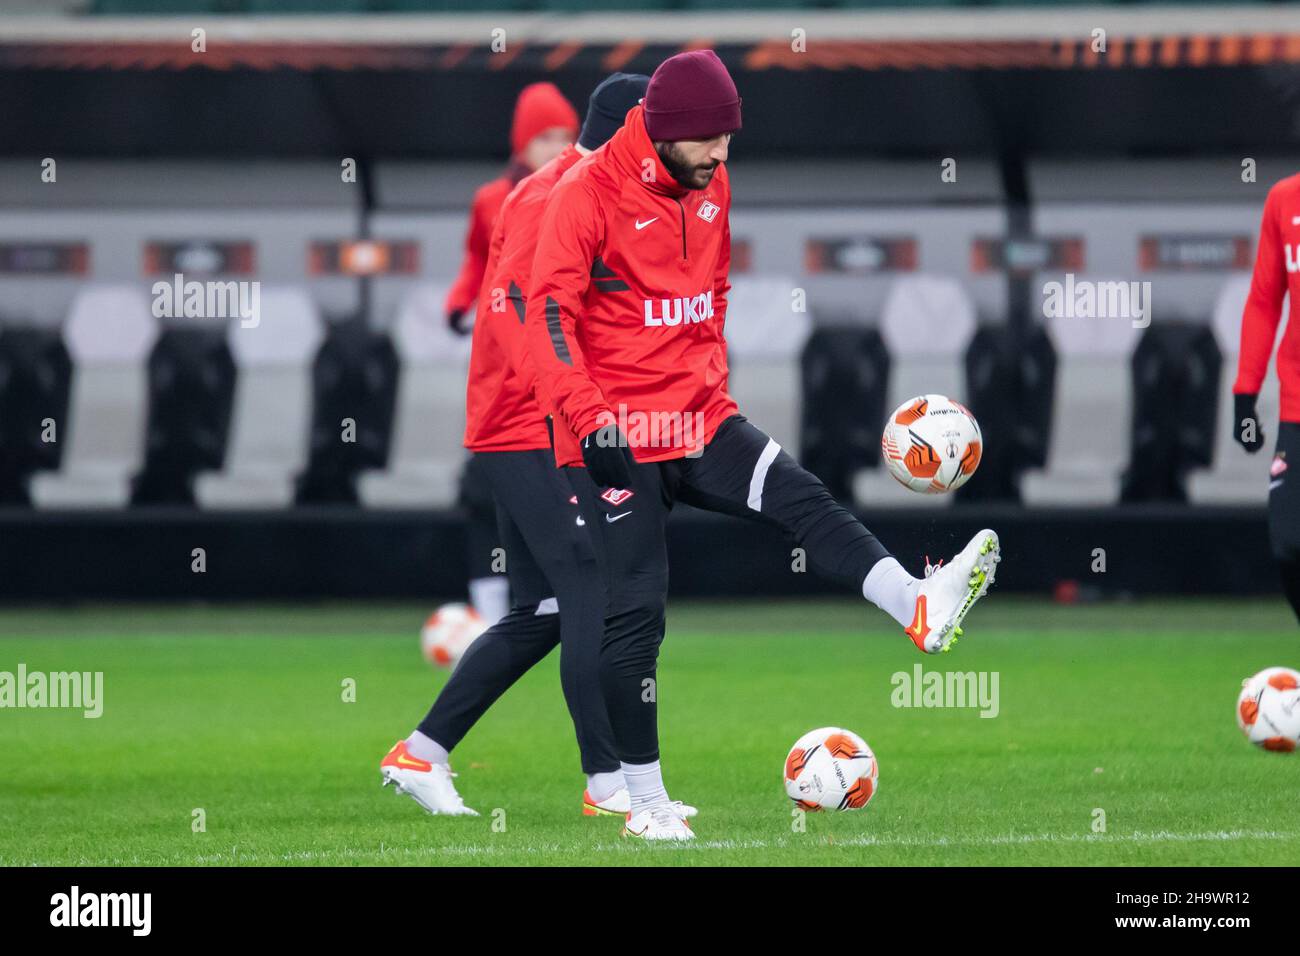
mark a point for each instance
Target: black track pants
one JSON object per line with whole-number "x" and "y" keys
{"x": 741, "y": 472}
{"x": 549, "y": 560}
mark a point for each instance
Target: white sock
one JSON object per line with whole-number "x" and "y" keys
{"x": 490, "y": 597}
{"x": 602, "y": 786}
{"x": 889, "y": 587}
{"x": 645, "y": 785}
{"x": 423, "y": 747}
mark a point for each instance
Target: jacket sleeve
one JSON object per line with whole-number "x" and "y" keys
{"x": 478, "y": 239}
{"x": 1263, "y": 310}
{"x": 722, "y": 278}
{"x": 567, "y": 244}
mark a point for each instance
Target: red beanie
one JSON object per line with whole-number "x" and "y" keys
{"x": 691, "y": 96}
{"x": 539, "y": 107}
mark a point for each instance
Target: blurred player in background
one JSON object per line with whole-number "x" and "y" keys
{"x": 625, "y": 323}
{"x": 558, "y": 593}
{"x": 544, "y": 125}
{"x": 1277, "y": 272}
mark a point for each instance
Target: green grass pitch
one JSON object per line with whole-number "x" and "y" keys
{"x": 239, "y": 711}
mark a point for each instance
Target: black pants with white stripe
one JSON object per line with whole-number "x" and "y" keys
{"x": 741, "y": 472}
{"x": 551, "y": 562}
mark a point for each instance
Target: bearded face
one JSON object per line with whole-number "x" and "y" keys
{"x": 692, "y": 162}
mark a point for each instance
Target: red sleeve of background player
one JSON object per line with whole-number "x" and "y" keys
{"x": 478, "y": 240}
{"x": 567, "y": 244}
{"x": 1263, "y": 309}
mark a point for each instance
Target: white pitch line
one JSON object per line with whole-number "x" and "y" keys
{"x": 1011, "y": 839}
{"x": 627, "y": 846}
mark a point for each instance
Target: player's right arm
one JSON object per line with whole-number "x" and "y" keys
{"x": 567, "y": 244}
{"x": 1259, "y": 320}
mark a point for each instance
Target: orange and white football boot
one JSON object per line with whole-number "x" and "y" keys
{"x": 948, "y": 592}
{"x": 428, "y": 784}
{"x": 616, "y": 804}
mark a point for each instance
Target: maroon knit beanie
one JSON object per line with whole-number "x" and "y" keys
{"x": 691, "y": 96}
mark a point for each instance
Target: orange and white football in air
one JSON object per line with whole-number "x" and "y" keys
{"x": 831, "y": 769}
{"x": 932, "y": 444}
{"x": 1268, "y": 709}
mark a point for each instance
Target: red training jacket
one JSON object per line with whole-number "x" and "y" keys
{"x": 1277, "y": 271}
{"x": 628, "y": 301}
{"x": 501, "y": 413}
{"x": 478, "y": 237}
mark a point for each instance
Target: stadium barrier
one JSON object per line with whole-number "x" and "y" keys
{"x": 320, "y": 553}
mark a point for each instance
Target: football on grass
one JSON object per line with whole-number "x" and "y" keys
{"x": 449, "y": 632}
{"x": 831, "y": 769}
{"x": 932, "y": 444}
{"x": 1268, "y": 709}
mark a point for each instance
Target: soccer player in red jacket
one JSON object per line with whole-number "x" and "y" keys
{"x": 1277, "y": 272}
{"x": 557, "y": 592}
{"x": 544, "y": 124}
{"x": 625, "y": 325}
